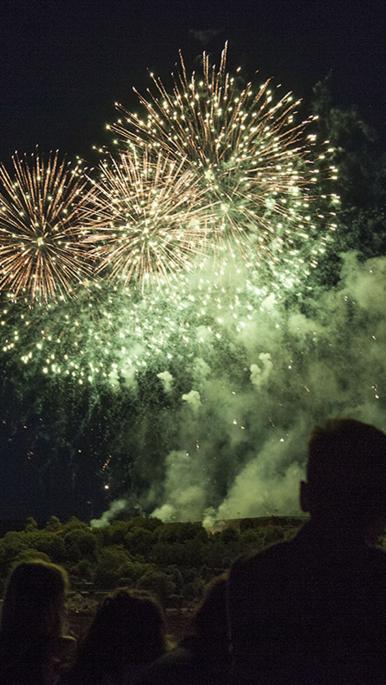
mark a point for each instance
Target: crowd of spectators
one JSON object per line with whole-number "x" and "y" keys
{"x": 311, "y": 610}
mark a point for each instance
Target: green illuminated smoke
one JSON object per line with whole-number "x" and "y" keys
{"x": 109, "y": 334}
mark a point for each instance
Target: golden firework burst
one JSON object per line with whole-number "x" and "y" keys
{"x": 149, "y": 218}
{"x": 245, "y": 148}
{"x": 43, "y": 207}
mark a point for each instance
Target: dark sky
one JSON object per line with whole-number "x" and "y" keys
{"x": 63, "y": 62}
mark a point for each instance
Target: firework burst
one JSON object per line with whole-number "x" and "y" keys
{"x": 149, "y": 218}
{"x": 43, "y": 206}
{"x": 211, "y": 173}
{"x": 246, "y": 151}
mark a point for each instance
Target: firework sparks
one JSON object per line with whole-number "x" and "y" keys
{"x": 206, "y": 218}
{"x": 114, "y": 333}
{"x": 149, "y": 218}
{"x": 246, "y": 151}
{"x": 43, "y": 206}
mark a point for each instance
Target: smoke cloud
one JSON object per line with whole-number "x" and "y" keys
{"x": 115, "y": 508}
{"x": 241, "y": 430}
{"x": 166, "y": 379}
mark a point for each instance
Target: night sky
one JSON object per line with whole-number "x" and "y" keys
{"x": 65, "y": 62}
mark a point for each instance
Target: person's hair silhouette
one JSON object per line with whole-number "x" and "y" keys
{"x": 313, "y": 609}
{"x": 33, "y": 646}
{"x": 127, "y": 634}
{"x": 34, "y": 600}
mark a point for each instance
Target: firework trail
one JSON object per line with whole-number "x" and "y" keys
{"x": 43, "y": 206}
{"x": 149, "y": 218}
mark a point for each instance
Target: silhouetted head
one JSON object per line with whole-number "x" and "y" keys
{"x": 128, "y": 629}
{"x": 34, "y": 600}
{"x": 346, "y": 473}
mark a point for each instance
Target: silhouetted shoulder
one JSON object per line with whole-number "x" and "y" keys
{"x": 247, "y": 566}
{"x": 170, "y": 668}
{"x": 265, "y": 555}
{"x": 300, "y": 557}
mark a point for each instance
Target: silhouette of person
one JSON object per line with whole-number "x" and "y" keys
{"x": 33, "y": 645}
{"x": 201, "y": 658}
{"x": 313, "y": 610}
{"x": 126, "y": 635}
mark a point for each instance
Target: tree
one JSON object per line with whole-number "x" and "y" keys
{"x": 139, "y": 541}
{"x": 110, "y": 566}
{"x": 48, "y": 543}
{"x": 79, "y": 544}
{"x": 30, "y": 524}
{"x": 53, "y": 524}
{"x": 157, "y": 583}
{"x": 362, "y": 173}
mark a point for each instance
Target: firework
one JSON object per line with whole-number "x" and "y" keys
{"x": 246, "y": 151}
{"x": 211, "y": 173}
{"x": 113, "y": 334}
{"x": 43, "y": 206}
{"x": 149, "y": 218}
